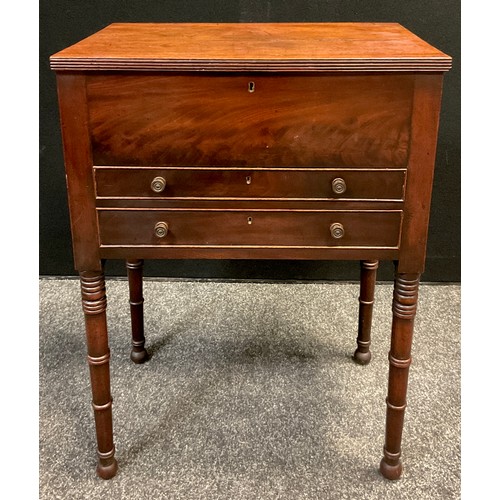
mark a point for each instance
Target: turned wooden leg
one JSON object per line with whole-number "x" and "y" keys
{"x": 404, "y": 307}
{"x": 134, "y": 272}
{"x": 94, "y": 307}
{"x": 362, "y": 355}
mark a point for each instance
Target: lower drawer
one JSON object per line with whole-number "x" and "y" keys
{"x": 255, "y": 228}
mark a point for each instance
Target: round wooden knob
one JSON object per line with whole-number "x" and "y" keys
{"x": 339, "y": 185}
{"x": 161, "y": 229}
{"x": 337, "y": 230}
{"x": 158, "y": 184}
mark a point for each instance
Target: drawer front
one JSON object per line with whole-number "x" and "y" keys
{"x": 201, "y": 183}
{"x": 239, "y": 120}
{"x": 293, "y": 228}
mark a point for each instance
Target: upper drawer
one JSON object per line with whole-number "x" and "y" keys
{"x": 238, "y": 120}
{"x": 203, "y": 182}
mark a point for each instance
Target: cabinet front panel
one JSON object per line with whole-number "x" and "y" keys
{"x": 235, "y": 120}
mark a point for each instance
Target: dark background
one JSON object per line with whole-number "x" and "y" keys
{"x": 64, "y": 22}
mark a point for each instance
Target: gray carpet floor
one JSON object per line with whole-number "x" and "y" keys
{"x": 250, "y": 394}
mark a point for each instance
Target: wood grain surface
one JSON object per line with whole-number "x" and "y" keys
{"x": 185, "y": 120}
{"x": 209, "y": 183}
{"x": 425, "y": 124}
{"x": 253, "y": 46}
{"x": 258, "y": 228}
{"x": 245, "y": 159}
{"x": 78, "y": 162}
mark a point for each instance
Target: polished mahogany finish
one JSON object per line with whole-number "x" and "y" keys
{"x": 314, "y": 120}
{"x": 404, "y": 308}
{"x": 250, "y": 183}
{"x": 276, "y": 47}
{"x": 250, "y": 141}
{"x": 134, "y": 274}
{"x": 94, "y": 307}
{"x": 248, "y": 228}
{"x": 362, "y": 355}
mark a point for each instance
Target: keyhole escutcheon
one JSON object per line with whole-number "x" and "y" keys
{"x": 251, "y": 86}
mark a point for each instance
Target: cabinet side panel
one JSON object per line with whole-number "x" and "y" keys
{"x": 71, "y": 90}
{"x": 424, "y": 130}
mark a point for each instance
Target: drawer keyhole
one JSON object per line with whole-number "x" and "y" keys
{"x": 251, "y": 86}
{"x": 249, "y": 220}
{"x": 248, "y": 179}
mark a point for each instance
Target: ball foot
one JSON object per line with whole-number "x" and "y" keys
{"x": 389, "y": 471}
{"x": 139, "y": 357}
{"x": 362, "y": 358}
{"x": 107, "y": 469}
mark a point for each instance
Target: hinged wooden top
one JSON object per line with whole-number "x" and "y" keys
{"x": 252, "y": 47}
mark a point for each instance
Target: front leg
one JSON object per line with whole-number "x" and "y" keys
{"x": 94, "y": 307}
{"x": 404, "y": 308}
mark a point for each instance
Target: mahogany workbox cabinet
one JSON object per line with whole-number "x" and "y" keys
{"x": 250, "y": 141}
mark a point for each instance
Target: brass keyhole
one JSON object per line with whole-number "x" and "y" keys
{"x": 249, "y": 179}
{"x": 249, "y": 220}
{"x": 251, "y": 87}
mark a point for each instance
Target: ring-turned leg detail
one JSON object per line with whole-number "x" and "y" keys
{"x": 404, "y": 308}
{"x": 362, "y": 355}
{"x": 94, "y": 307}
{"x": 134, "y": 273}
